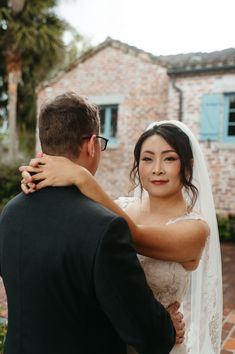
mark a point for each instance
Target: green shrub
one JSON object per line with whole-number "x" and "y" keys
{"x": 27, "y": 142}
{"x": 226, "y": 228}
{"x": 3, "y": 331}
{"x": 9, "y": 182}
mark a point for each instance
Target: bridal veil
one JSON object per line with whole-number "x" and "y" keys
{"x": 202, "y": 306}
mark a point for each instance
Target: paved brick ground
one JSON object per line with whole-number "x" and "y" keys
{"x": 228, "y": 333}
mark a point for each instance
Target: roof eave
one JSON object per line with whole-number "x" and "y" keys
{"x": 191, "y": 70}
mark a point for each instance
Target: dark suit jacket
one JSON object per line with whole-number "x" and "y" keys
{"x": 73, "y": 282}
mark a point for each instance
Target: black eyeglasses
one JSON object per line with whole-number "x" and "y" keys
{"x": 103, "y": 141}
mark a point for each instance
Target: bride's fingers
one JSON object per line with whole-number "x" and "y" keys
{"x": 27, "y": 188}
{"x": 180, "y": 324}
{"x": 179, "y": 316}
{"x": 43, "y": 160}
{"x": 42, "y": 184}
{"x": 32, "y": 169}
{"x": 26, "y": 176}
{"x": 39, "y": 176}
{"x": 39, "y": 154}
{"x": 28, "y": 182}
{"x": 179, "y": 340}
{"x": 180, "y": 327}
{"x": 180, "y": 336}
{"x": 172, "y": 308}
{"x": 22, "y": 168}
{"x": 40, "y": 160}
{"x": 24, "y": 188}
{"x": 179, "y": 332}
{"x": 34, "y": 162}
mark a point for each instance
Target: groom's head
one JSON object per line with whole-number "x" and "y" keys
{"x": 68, "y": 126}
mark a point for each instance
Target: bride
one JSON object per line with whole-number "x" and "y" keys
{"x": 172, "y": 221}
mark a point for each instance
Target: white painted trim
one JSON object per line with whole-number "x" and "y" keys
{"x": 228, "y": 146}
{"x": 106, "y": 99}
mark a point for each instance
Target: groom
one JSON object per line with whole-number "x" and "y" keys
{"x": 73, "y": 282}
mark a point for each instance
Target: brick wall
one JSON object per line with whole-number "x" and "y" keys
{"x": 145, "y": 93}
{"x": 142, "y": 87}
{"x": 220, "y": 157}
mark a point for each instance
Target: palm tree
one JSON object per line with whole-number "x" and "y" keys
{"x": 31, "y": 36}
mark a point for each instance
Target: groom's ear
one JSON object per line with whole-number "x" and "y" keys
{"x": 91, "y": 145}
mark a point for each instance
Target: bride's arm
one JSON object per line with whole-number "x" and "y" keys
{"x": 182, "y": 242}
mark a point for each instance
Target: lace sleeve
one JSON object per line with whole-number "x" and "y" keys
{"x": 188, "y": 216}
{"x": 123, "y": 202}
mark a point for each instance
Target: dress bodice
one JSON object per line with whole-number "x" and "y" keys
{"x": 168, "y": 280}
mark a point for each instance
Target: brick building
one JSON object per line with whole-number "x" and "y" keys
{"x": 134, "y": 88}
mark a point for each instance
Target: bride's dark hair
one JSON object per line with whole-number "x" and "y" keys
{"x": 179, "y": 141}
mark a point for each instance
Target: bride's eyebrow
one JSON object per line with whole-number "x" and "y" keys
{"x": 167, "y": 151}
{"x": 148, "y": 152}
{"x": 162, "y": 152}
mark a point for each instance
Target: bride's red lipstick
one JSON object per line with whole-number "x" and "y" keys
{"x": 159, "y": 181}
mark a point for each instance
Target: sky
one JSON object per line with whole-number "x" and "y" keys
{"x": 156, "y": 26}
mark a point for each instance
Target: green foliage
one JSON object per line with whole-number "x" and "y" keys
{"x": 226, "y": 228}
{"x": 9, "y": 182}
{"x": 35, "y": 36}
{"x": 34, "y": 30}
{"x": 3, "y": 331}
{"x": 27, "y": 141}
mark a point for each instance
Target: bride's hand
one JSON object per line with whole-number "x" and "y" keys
{"x": 54, "y": 171}
{"x": 178, "y": 321}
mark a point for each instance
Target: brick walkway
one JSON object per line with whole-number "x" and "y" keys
{"x": 228, "y": 333}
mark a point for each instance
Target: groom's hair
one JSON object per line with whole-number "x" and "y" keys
{"x": 64, "y": 122}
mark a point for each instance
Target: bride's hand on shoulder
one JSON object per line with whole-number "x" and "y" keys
{"x": 56, "y": 171}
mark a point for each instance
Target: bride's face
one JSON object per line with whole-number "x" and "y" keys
{"x": 159, "y": 167}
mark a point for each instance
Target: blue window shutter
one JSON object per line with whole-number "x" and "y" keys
{"x": 210, "y": 117}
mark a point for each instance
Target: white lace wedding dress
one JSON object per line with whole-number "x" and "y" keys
{"x": 168, "y": 280}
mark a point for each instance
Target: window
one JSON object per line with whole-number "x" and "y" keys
{"x": 229, "y": 117}
{"x": 218, "y": 118}
{"x": 108, "y": 122}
